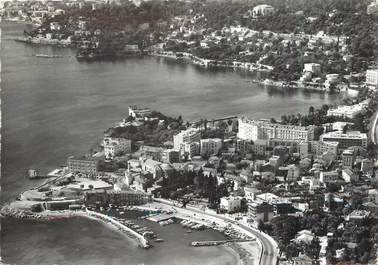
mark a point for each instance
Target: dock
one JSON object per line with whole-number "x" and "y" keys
{"x": 159, "y": 218}
{"x": 218, "y": 242}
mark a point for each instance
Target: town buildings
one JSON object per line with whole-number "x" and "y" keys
{"x": 151, "y": 152}
{"x": 262, "y": 10}
{"x": 170, "y": 156}
{"x": 126, "y": 197}
{"x": 230, "y": 204}
{"x": 345, "y": 140}
{"x": 329, "y": 176}
{"x": 372, "y": 75}
{"x": 317, "y": 148}
{"x": 314, "y": 68}
{"x": 265, "y": 130}
{"x": 348, "y": 157}
{"x": 83, "y": 165}
{"x": 116, "y": 146}
{"x": 211, "y": 146}
{"x": 260, "y": 211}
{"x": 187, "y": 141}
{"x": 348, "y": 111}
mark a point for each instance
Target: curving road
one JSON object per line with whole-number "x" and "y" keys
{"x": 374, "y": 129}
{"x": 269, "y": 249}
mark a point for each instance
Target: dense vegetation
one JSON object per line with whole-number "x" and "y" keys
{"x": 152, "y": 132}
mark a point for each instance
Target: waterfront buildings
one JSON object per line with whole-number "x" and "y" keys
{"x": 265, "y": 130}
{"x": 230, "y": 204}
{"x": 346, "y": 140}
{"x": 314, "y": 68}
{"x": 260, "y": 211}
{"x": 128, "y": 197}
{"x": 139, "y": 113}
{"x": 211, "y": 146}
{"x": 116, "y": 146}
{"x": 83, "y": 165}
{"x": 348, "y": 111}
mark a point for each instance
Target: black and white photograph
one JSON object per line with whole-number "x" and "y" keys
{"x": 189, "y": 132}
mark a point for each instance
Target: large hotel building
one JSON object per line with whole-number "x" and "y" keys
{"x": 265, "y": 130}
{"x": 346, "y": 140}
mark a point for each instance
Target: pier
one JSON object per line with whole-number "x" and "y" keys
{"x": 218, "y": 242}
{"x": 142, "y": 242}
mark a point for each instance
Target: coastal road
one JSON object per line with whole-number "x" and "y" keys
{"x": 269, "y": 251}
{"x": 374, "y": 130}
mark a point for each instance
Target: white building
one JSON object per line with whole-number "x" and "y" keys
{"x": 211, "y": 146}
{"x": 348, "y": 111}
{"x": 312, "y": 67}
{"x": 372, "y": 77}
{"x": 116, "y": 146}
{"x": 187, "y": 141}
{"x": 327, "y": 177}
{"x": 349, "y": 176}
{"x": 264, "y": 130}
{"x": 139, "y": 113}
{"x": 262, "y": 10}
{"x": 230, "y": 204}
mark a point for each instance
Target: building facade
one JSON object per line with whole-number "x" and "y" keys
{"x": 345, "y": 140}
{"x": 230, "y": 204}
{"x": 261, "y": 211}
{"x": 348, "y": 111}
{"x": 116, "y": 146}
{"x": 170, "y": 156}
{"x": 372, "y": 76}
{"x": 211, "y": 146}
{"x": 187, "y": 141}
{"x": 103, "y": 197}
{"x": 139, "y": 113}
{"x": 151, "y": 152}
{"x": 83, "y": 165}
{"x": 264, "y": 130}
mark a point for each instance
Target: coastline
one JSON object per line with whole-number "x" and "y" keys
{"x": 238, "y": 249}
{"x": 51, "y": 215}
{"x": 187, "y": 57}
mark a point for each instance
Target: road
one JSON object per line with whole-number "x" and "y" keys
{"x": 374, "y": 131}
{"x": 269, "y": 252}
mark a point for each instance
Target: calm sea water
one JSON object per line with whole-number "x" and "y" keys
{"x": 53, "y": 108}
